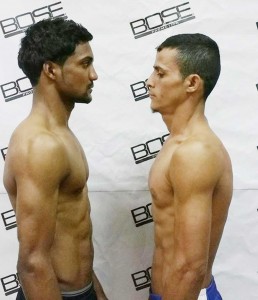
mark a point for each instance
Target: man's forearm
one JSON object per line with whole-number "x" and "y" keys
{"x": 183, "y": 286}
{"x": 39, "y": 284}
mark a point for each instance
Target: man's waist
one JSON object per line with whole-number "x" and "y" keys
{"x": 78, "y": 292}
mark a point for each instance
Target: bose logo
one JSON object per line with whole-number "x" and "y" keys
{"x": 18, "y": 24}
{"x": 162, "y": 20}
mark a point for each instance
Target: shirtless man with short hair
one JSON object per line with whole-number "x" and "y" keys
{"x": 46, "y": 170}
{"x": 191, "y": 178}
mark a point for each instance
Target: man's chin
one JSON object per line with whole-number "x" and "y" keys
{"x": 154, "y": 110}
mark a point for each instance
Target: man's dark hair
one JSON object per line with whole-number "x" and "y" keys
{"x": 50, "y": 39}
{"x": 197, "y": 54}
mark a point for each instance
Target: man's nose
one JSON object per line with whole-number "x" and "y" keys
{"x": 149, "y": 83}
{"x": 93, "y": 74}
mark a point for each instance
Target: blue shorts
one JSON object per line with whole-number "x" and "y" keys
{"x": 210, "y": 293}
{"x": 87, "y": 293}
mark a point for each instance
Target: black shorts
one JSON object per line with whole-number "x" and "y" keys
{"x": 90, "y": 294}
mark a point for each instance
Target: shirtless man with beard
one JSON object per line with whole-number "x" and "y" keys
{"x": 46, "y": 170}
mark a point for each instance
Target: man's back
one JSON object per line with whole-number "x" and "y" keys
{"x": 45, "y": 176}
{"x": 191, "y": 186}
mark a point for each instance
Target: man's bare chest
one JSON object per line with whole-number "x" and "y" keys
{"x": 78, "y": 171}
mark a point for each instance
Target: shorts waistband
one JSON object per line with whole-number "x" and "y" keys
{"x": 78, "y": 292}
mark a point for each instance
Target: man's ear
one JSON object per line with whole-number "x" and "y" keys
{"x": 193, "y": 83}
{"x": 50, "y": 69}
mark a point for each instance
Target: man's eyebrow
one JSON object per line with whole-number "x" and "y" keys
{"x": 87, "y": 59}
{"x": 158, "y": 68}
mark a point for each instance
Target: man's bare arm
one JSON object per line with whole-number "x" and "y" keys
{"x": 98, "y": 288}
{"x": 38, "y": 174}
{"x": 193, "y": 173}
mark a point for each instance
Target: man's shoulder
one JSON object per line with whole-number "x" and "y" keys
{"x": 192, "y": 147}
{"x": 200, "y": 153}
{"x": 200, "y": 160}
{"x": 32, "y": 144}
{"x": 193, "y": 150}
{"x": 203, "y": 146}
{"x": 30, "y": 139}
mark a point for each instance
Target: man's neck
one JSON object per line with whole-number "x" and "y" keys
{"x": 184, "y": 118}
{"x": 48, "y": 104}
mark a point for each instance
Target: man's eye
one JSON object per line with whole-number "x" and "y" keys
{"x": 86, "y": 63}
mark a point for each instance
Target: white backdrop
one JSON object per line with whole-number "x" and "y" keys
{"x": 121, "y": 136}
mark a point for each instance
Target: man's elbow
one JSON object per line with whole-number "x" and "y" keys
{"x": 31, "y": 264}
{"x": 193, "y": 272}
